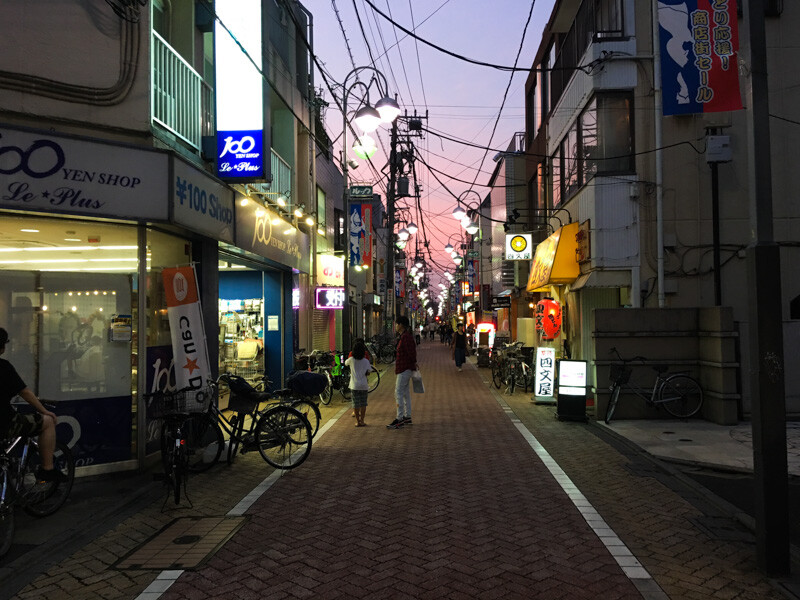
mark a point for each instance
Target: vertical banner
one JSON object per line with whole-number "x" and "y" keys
{"x": 545, "y": 373}
{"x": 472, "y": 274}
{"x": 400, "y": 283}
{"x": 699, "y": 42}
{"x": 360, "y": 234}
{"x": 192, "y": 369}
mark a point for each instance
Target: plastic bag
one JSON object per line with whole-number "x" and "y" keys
{"x": 416, "y": 383}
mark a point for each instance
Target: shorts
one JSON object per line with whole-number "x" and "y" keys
{"x": 359, "y": 398}
{"x": 26, "y": 425}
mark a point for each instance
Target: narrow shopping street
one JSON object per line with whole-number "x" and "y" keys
{"x": 484, "y": 496}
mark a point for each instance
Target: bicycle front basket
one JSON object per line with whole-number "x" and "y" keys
{"x": 181, "y": 402}
{"x": 620, "y": 374}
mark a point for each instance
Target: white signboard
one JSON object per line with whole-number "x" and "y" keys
{"x": 330, "y": 270}
{"x": 58, "y": 175}
{"x": 572, "y": 377}
{"x": 239, "y": 88}
{"x": 545, "y": 373}
{"x": 201, "y": 203}
{"x": 519, "y": 246}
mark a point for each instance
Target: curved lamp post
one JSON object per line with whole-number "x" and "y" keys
{"x": 367, "y": 119}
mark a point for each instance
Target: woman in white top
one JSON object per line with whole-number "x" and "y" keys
{"x": 359, "y": 367}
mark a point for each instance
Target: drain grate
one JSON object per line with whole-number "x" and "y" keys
{"x": 185, "y": 543}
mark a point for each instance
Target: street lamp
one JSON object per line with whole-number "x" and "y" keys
{"x": 367, "y": 119}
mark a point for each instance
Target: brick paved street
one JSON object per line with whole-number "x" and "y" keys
{"x": 459, "y": 505}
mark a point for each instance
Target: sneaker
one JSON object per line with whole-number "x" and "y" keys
{"x": 396, "y": 424}
{"x": 54, "y": 475}
{"x": 459, "y": 368}
{"x": 407, "y": 421}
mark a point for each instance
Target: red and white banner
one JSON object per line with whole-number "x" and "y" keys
{"x": 192, "y": 369}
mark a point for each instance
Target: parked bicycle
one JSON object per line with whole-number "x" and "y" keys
{"x": 385, "y": 348}
{"x": 281, "y": 434}
{"x": 19, "y": 486}
{"x": 507, "y": 367}
{"x": 338, "y": 375}
{"x": 679, "y": 394}
{"x": 178, "y": 456}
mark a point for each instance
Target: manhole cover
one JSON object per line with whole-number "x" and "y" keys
{"x": 185, "y": 543}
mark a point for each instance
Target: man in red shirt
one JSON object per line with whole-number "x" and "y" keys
{"x": 404, "y": 367}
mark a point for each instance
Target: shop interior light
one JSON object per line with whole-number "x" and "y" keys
{"x": 388, "y": 109}
{"x": 459, "y": 212}
{"x": 367, "y": 119}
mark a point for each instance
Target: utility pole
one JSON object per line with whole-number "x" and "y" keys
{"x": 767, "y": 381}
{"x": 388, "y": 305}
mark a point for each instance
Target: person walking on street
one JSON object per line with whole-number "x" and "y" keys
{"x": 41, "y": 423}
{"x": 459, "y": 346}
{"x": 359, "y": 387}
{"x": 404, "y": 367}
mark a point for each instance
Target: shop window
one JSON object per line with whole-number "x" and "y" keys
{"x": 556, "y": 191}
{"x": 67, "y": 298}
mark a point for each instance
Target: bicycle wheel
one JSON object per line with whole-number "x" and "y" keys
{"x": 310, "y": 411}
{"x": 344, "y": 389}
{"x": 681, "y": 396}
{"x": 327, "y": 394}
{"x": 526, "y": 378}
{"x": 6, "y": 527}
{"x": 512, "y": 381}
{"x": 204, "y": 442}
{"x": 373, "y": 379}
{"x": 387, "y": 354}
{"x": 497, "y": 380}
{"x": 179, "y": 468}
{"x": 283, "y": 436}
{"x": 6, "y": 514}
{"x": 44, "y": 498}
{"x": 612, "y": 404}
{"x": 237, "y": 427}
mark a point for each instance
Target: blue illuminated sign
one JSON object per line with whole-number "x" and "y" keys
{"x": 240, "y": 154}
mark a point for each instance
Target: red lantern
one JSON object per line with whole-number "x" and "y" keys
{"x": 548, "y": 318}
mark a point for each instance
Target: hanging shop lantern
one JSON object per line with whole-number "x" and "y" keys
{"x": 548, "y": 318}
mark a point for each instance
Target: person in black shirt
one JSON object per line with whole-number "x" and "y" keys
{"x": 460, "y": 345}
{"x": 13, "y": 424}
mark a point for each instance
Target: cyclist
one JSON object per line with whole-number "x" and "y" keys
{"x": 12, "y": 423}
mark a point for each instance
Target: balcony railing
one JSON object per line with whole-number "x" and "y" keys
{"x": 176, "y": 95}
{"x": 281, "y": 175}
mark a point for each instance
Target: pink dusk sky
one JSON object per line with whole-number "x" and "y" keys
{"x": 462, "y": 100}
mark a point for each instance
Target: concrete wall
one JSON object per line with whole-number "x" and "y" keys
{"x": 700, "y": 341}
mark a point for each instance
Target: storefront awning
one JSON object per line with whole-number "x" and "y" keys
{"x": 602, "y": 279}
{"x": 555, "y": 261}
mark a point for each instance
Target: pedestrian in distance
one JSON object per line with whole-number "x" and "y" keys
{"x": 404, "y": 366}
{"x": 42, "y": 423}
{"x": 359, "y": 387}
{"x": 459, "y": 346}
